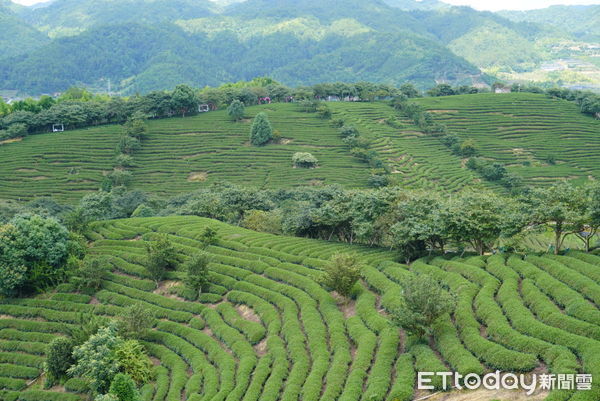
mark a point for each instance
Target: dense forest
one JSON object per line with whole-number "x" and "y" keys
{"x": 144, "y": 46}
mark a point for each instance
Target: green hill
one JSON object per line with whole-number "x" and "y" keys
{"x": 266, "y": 329}
{"x": 525, "y": 132}
{"x": 582, "y": 21}
{"x": 17, "y": 37}
{"x": 539, "y": 138}
{"x": 180, "y": 155}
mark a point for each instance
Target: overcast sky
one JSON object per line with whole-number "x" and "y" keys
{"x": 493, "y": 5}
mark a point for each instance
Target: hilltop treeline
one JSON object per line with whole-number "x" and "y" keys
{"x": 78, "y": 108}
{"x": 412, "y": 222}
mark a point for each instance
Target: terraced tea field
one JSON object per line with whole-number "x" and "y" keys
{"x": 524, "y": 131}
{"x": 268, "y": 331}
{"x": 181, "y": 155}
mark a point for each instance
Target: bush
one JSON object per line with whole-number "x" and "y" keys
{"x": 128, "y": 145}
{"x": 92, "y": 274}
{"x": 133, "y": 360}
{"x": 123, "y": 161}
{"x": 59, "y": 358}
{"x": 161, "y": 257}
{"x": 425, "y": 300}
{"x": 342, "y": 273}
{"x": 323, "y": 112}
{"x": 16, "y": 130}
{"x": 304, "y": 160}
{"x": 348, "y": 131}
{"x": 378, "y": 181}
{"x": 136, "y": 320}
{"x": 120, "y": 178}
{"x": 196, "y": 273}
{"x": 236, "y": 110}
{"x": 261, "y": 221}
{"x": 124, "y": 389}
{"x": 261, "y": 131}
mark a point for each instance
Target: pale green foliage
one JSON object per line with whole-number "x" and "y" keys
{"x": 132, "y": 359}
{"x": 184, "y": 99}
{"x": 106, "y": 397}
{"x": 261, "y": 131}
{"x": 424, "y": 301}
{"x": 266, "y": 222}
{"x": 342, "y": 273}
{"x": 95, "y": 359}
{"x": 304, "y": 160}
{"x": 236, "y": 110}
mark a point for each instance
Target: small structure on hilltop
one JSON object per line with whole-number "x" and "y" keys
{"x": 203, "y": 108}
{"x": 502, "y": 89}
{"x": 58, "y": 127}
{"x": 264, "y": 100}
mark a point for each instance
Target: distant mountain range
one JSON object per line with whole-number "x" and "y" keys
{"x": 142, "y": 45}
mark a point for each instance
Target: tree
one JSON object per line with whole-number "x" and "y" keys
{"x": 16, "y": 130}
{"x": 479, "y": 219}
{"x": 236, "y": 110}
{"x": 161, "y": 257}
{"x": 417, "y": 225}
{"x": 304, "y": 160}
{"x": 96, "y": 360}
{"x": 136, "y": 320}
{"x": 424, "y": 301}
{"x": 59, "y": 358}
{"x": 409, "y": 90}
{"x": 128, "y": 145}
{"x": 261, "y": 221}
{"x": 134, "y": 361}
{"x": 592, "y": 217}
{"x": 342, "y": 273}
{"x": 88, "y": 324}
{"x": 196, "y": 272}
{"x": 209, "y": 237}
{"x": 33, "y": 253}
{"x": 124, "y": 389}
{"x": 135, "y": 127}
{"x": 184, "y": 99}
{"x": 561, "y": 208}
{"x": 261, "y": 131}
{"x": 92, "y": 274}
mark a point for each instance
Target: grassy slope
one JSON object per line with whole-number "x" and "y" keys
{"x": 289, "y": 337}
{"x": 69, "y": 164}
{"x": 525, "y": 128}
{"x": 513, "y": 129}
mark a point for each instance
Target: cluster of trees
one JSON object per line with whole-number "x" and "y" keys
{"x": 36, "y": 253}
{"x": 421, "y": 117}
{"x": 495, "y": 172}
{"x": 134, "y": 131}
{"x": 162, "y": 257}
{"x": 106, "y": 353}
{"x": 412, "y": 222}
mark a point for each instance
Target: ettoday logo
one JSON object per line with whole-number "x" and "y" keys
{"x": 506, "y": 381}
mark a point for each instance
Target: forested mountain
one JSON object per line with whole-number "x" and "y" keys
{"x": 68, "y": 17}
{"x": 361, "y": 40}
{"x": 142, "y": 45}
{"x": 582, "y": 21}
{"x": 17, "y": 36}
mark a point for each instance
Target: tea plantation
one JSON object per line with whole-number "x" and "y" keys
{"x": 538, "y": 138}
{"x": 180, "y": 155}
{"x": 267, "y": 330}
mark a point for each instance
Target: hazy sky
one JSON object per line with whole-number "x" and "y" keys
{"x": 493, "y": 5}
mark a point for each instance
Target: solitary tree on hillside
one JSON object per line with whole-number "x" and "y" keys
{"x": 261, "y": 131}
{"x": 342, "y": 273}
{"x": 424, "y": 301}
{"x": 162, "y": 256}
{"x": 236, "y": 110}
{"x": 196, "y": 272}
